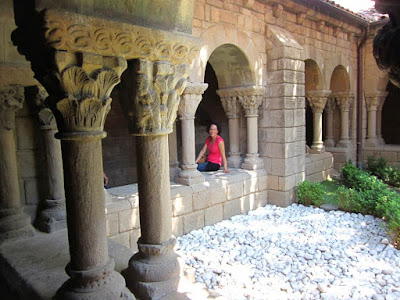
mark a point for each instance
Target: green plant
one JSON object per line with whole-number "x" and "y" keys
{"x": 376, "y": 166}
{"x": 391, "y": 212}
{"x": 348, "y": 199}
{"x": 310, "y": 193}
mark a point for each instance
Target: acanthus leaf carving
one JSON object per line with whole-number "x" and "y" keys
{"x": 159, "y": 86}
{"x": 318, "y": 99}
{"x": 11, "y": 99}
{"x": 343, "y": 100}
{"x": 46, "y": 119}
{"x": 191, "y": 98}
{"x": 375, "y": 100}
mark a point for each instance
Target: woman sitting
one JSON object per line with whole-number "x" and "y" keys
{"x": 216, "y": 148}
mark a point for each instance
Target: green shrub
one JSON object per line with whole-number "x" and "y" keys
{"x": 310, "y": 193}
{"x": 379, "y": 168}
{"x": 391, "y": 211}
{"x": 348, "y": 199}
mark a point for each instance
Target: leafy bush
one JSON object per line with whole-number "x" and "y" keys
{"x": 378, "y": 167}
{"x": 348, "y": 199}
{"x": 310, "y": 193}
{"x": 391, "y": 211}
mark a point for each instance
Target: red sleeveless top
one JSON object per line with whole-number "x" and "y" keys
{"x": 214, "y": 154}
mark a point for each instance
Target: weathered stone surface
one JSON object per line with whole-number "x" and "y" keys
{"x": 193, "y": 221}
{"x": 232, "y": 208}
{"x": 213, "y": 214}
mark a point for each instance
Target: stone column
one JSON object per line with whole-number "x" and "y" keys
{"x": 86, "y": 81}
{"x": 317, "y": 100}
{"x": 191, "y": 98}
{"x": 344, "y": 100}
{"x": 231, "y": 104}
{"x": 251, "y": 98}
{"x": 154, "y": 271}
{"x": 52, "y": 215}
{"x": 329, "y": 110}
{"x": 375, "y": 102}
{"x": 173, "y": 154}
{"x": 14, "y": 223}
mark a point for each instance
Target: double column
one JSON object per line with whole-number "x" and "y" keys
{"x": 231, "y": 105}
{"x": 14, "y": 223}
{"x": 154, "y": 271}
{"x": 191, "y": 98}
{"x": 86, "y": 81}
{"x": 375, "y": 103}
{"x": 251, "y": 98}
{"x": 52, "y": 215}
{"x": 329, "y": 111}
{"x": 317, "y": 100}
{"x": 344, "y": 101}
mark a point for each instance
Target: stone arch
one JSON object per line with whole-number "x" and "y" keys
{"x": 313, "y": 56}
{"x": 340, "y": 80}
{"x": 342, "y": 62}
{"x": 227, "y": 41}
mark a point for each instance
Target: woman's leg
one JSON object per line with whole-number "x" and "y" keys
{"x": 202, "y": 167}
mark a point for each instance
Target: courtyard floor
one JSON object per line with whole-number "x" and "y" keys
{"x": 294, "y": 253}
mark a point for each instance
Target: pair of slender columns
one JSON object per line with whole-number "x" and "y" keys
{"x": 190, "y": 100}
{"x": 344, "y": 101}
{"x": 375, "y": 103}
{"x": 329, "y": 111}
{"x": 14, "y": 223}
{"x": 250, "y": 98}
{"x": 317, "y": 100}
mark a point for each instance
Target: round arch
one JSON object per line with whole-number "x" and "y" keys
{"x": 340, "y": 80}
{"x": 226, "y": 46}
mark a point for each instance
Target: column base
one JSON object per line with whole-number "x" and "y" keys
{"x": 53, "y": 217}
{"x": 153, "y": 272}
{"x": 189, "y": 175}
{"x": 14, "y": 225}
{"x": 372, "y": 142}
{"x": 234, "y": 160}
{"x": 329, "y": 143}
{"x": 174, "y": 170}
{"x": 317, "y": 149}
{"x": 100, "y": 283}
{"x": 381, "y": 141}
{"x": 252, "y": 162}
{"x": 343, "y": 143}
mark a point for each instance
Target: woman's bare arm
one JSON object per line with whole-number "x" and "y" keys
{"x": 202, "y": 153}
{"x": 221, "y": 146}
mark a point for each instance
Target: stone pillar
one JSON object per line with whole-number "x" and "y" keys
{"x": 231, "y": 104}
{"x": 173, "y": 154}
{"x": 52, "y": 215}
{"x": 87, "y": 81}
{"x": 344, "y": 100}
{"x": 14, "y": 223}
{"x": 154, "y": 271}
{"x": 251, "y": 98}
{"x": 191, "y": 98}
{"x": 317, "y": 100}
{"x": 375, "y": 102}
{"x": 329, "y": 110}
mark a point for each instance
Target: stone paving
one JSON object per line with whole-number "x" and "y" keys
{"x": 294, "y": 253}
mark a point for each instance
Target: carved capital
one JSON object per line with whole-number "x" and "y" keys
{"x": 191, "y": 98}
{"x": 40, "y": 95}
{"x": 159, "y": 86}
{"x": 230, "y": 102}
{"x": 46, "y": 119}
{"x": 330, "y": 105}
{"x": 11, "y": 99}
{"x": 251, "y": 98}
{"x": 375, "y": 100}
{"x": 343, "y": 100}
{"x": 318, "y": 99}
{"x": 87, "y": 86}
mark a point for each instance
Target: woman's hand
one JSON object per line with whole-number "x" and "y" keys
{"x": 226, "y": 171}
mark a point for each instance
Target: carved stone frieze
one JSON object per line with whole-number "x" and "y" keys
{"x": 191, "y": 98}
{"x": 318, "y": 99}
{"x": 159, "y": 86}
{"x": 251, "y": 98}
{"x": 11, "y": 99}
{"x": 344, "y": 100}
{"x": 72, "y": 32}
{"x": 87, "y": 91}
{"x": 375, "y": 100}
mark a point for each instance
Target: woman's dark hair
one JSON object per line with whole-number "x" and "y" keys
{"x": 216, "y": 124}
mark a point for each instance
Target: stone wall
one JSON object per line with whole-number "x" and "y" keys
{"x": 391, "y": 153}
{"x": 220, "y": 197}
{"x": 319, "y": 166}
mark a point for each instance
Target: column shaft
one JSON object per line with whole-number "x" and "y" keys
{"x": 371, "y": 124}
{"x": 379, "y": 127}
{"x": 173, "y": 154}
{"x": 252, "y": 135}
{"x": 234, "y": 159}
{"x": 329, "y": 142}
{"x": 317, "y": 142}
{"x": 344, "y": 128}
{"x": 188, "y": 141}
{"x": 154, "y": 190}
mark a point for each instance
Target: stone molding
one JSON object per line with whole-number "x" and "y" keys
{"x": 375, "y": 100}
{"x": 158, "y": 89}
{"x": 251, "y": 98}
{"x": 191, "y": 97}
{"x": 318, "y": 99}
{"x": 78, "y": 33}
{"x": 11, "y": 99}
{"x": 343, "y": 100}
{"x": 87, "y": 89}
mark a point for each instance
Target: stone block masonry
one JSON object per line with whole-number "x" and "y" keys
{"x": 220, "y": 197}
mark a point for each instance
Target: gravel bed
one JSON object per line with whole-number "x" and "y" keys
{"x": 295, "y": 252}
